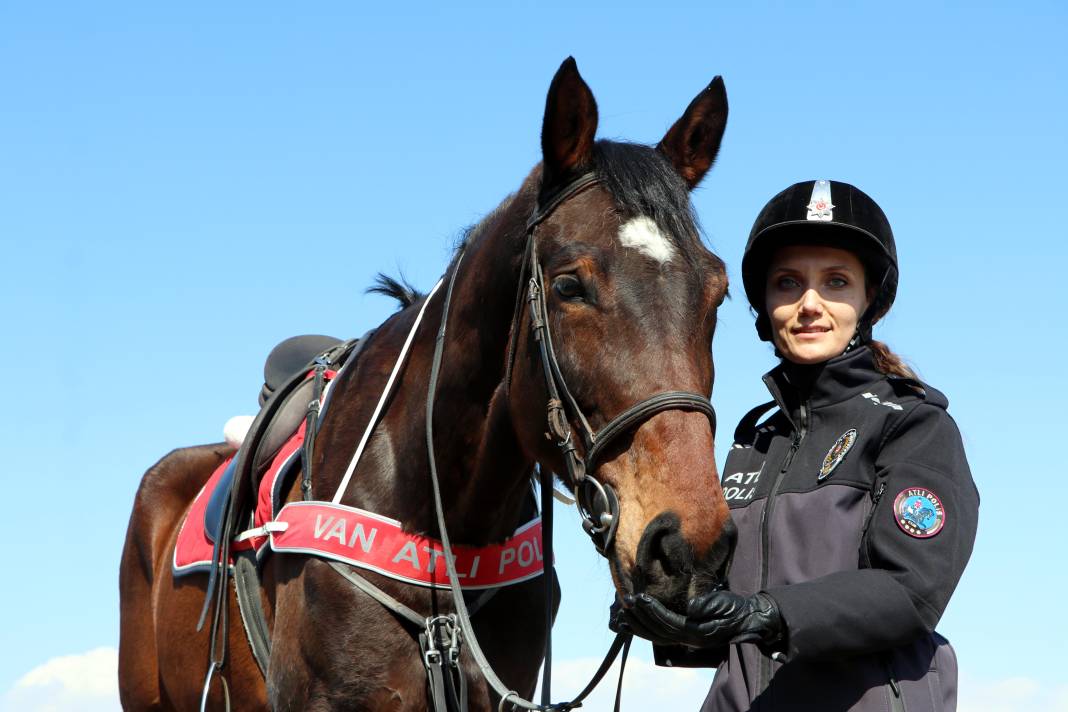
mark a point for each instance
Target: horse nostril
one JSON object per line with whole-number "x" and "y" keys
{"x": 710, "y": 573}
{"x": 663, "y": 552}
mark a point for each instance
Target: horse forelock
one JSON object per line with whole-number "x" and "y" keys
{"x": 644, "y": 184}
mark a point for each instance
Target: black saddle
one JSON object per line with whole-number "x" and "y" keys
{"x": 287, "y": 361}
{"x": 290, "y": 357}
{"x": 284, "y": 401}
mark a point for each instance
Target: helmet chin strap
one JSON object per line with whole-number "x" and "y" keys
{"x": 861, "y": 337}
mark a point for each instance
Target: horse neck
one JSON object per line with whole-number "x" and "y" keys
{"x": 481, "y": 467}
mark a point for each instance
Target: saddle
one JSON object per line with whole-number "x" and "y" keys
{"x": 293, "y": 383}
{"x": 285, "y": 374}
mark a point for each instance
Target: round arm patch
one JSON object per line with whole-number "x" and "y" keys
{"x": 919, "y": 512}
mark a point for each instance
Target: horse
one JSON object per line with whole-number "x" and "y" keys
{"x": 628, "y": 295}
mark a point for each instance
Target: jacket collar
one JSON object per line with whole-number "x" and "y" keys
{"x": 833, "y": 381}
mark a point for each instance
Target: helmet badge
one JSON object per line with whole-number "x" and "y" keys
{"x": 820, "y": 207}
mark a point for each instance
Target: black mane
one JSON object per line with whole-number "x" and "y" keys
{"x": 400, "y": 289}
{"x": 642, "y": 182}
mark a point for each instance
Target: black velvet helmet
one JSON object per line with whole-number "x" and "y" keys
{"x": 823, "y": 212}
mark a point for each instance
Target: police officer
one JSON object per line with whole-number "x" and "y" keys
{"x": 855, "y": 507}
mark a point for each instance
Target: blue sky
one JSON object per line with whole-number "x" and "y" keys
{"x": 175, "y": 179}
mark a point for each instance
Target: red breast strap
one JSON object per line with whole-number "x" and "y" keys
{"x": 370, "y": 541}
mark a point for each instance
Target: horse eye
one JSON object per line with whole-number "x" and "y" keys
{"x": 569, "y": 287}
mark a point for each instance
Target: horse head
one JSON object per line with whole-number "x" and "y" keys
{"x": 629, "y": 296}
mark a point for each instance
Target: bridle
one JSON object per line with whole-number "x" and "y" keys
{"x": 597, "y": 501}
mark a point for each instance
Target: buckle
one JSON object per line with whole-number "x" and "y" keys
{"x": 444, "y": 630}
{"x": 599, "y": 508}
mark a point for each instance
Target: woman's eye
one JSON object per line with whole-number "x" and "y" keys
{"x": 837, "y": 282}
{"x": 568, "y": 287}
{"x": 786, "y": 283}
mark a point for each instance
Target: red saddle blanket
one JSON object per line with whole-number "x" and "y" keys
{"x": 193, "y": 550}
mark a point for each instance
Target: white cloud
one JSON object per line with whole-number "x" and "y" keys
{"x": 86, "y": 682}
{"x": 1011, "y": 694}
{"x": 645, "y": 686}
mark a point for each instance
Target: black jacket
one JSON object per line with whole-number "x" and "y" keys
{"x": 856, "y": 512}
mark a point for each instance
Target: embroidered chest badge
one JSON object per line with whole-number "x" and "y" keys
{"x": 919, "y": 512}
{"x": 837, "y": 453}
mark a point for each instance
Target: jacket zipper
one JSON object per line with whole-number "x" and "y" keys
{"x": 878, "y": 495}
{"x": 874, "y": 503}
{"x": 795, "y": 445}
{"x": 897, "y": 702}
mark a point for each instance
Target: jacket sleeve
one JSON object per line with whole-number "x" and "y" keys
{"x": 905, "y": 581}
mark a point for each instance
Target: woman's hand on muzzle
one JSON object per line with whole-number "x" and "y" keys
{"x": 712, "y": 619}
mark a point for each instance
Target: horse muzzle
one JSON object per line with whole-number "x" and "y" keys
{"x": 667, "y": 568}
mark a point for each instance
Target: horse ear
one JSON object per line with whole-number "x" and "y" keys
{"x": 693, "y": 142}
{"x": 570, "y": 123}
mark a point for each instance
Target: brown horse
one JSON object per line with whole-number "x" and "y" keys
{"x": 631, "y": 295}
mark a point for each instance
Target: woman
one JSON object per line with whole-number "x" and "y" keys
{"x": 855, "y": 507}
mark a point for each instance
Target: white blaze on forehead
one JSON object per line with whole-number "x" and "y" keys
{"x": 643, "y": 235}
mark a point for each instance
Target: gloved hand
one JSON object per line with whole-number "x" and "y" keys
{"x": 712, "y": 619}
{"x": 622, "y": 620}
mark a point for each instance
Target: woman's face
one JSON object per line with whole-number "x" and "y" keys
{"x": 815, "y": 296}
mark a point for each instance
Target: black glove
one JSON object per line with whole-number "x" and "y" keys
{"x": 621, "y": 619}
{"x": 711, "y": 620}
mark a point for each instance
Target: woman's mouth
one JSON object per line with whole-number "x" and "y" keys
{"x": 811, "y": 332}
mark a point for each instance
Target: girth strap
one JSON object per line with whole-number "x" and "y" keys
{"x": 250, "y": 606}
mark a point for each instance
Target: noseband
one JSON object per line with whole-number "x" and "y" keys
{"x": 597, "y": 501}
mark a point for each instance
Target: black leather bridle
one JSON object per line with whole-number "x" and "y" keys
{"x": 597, "y": 501}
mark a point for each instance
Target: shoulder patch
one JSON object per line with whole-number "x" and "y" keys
{"x": 837, "y": 453}
{"x": 919, "y": 513}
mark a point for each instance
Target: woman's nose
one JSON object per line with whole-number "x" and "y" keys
{"x": 811, "y": 304}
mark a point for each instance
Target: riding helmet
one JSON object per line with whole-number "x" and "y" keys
{"x": 823, "y": 212}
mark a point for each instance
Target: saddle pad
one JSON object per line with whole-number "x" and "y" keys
{"x": 193, "y": 550}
